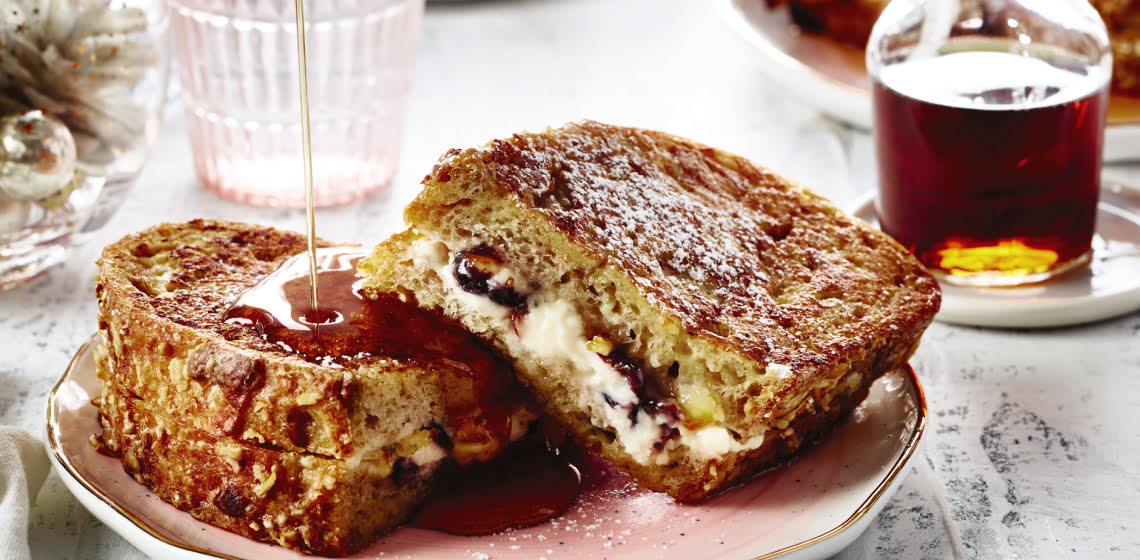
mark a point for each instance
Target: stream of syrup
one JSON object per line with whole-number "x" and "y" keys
{"x": 526, "y": 484}
{"x": 307, "y": 150}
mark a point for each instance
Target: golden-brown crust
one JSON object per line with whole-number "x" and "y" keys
{"x": 678, "y": 254}
{"x": 740, "y": 256}
{"x": 304, "y": 502}
{"x": 163, "y": 294}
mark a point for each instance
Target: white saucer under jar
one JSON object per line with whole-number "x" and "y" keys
{"x": 1108, "y": 287}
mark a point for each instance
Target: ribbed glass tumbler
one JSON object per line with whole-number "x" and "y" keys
{"x": 237, "y": 62}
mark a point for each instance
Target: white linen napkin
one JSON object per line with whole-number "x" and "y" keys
{"x": 23, "y": 466}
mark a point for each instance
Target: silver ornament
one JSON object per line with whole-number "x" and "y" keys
{"x": 37, "y": 157}
{"x": 14, "y": 215}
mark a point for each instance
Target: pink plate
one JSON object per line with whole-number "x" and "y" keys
{"x": 811, "y": 508}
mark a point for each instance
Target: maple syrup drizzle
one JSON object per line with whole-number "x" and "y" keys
{"x": 352, "y": 324}
{"x": 479, "y": 386}
{"x": 307, "y": 150}
{"x": 280, "y": 306}
{"x": 523, "y": 486}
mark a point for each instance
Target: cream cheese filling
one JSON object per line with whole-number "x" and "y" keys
{"x": 375, "y": 459}
{"x": 554, "y": 332}
{"x": 435, "y": 256}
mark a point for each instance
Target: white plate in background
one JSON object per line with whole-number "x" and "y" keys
{"x": 832, "y": 76}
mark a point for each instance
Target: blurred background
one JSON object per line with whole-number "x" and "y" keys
{"x": 1014, "y": 443}
{"x": 486, "y": 69}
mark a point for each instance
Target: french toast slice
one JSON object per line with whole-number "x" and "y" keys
{"x": 687, "y": 314}
{"x": 163, "y": 299}
{"x": 300, "y": 501}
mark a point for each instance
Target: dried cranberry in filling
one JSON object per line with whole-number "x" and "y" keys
{"x": 654, "y": 408}
{"x": 404, "y": 470}
{"x": 633, "y": 412}
{"x": 440, "y": 437}
{"x": 628, "y": 369}
{"x": 646, "y": 401}
{"x": 506, "y": 295}
{"x": 517, "y": 316}
{"x": 475, "y": 270}
{"x": 475, "y": 267}
{"x": 667, "y": 433}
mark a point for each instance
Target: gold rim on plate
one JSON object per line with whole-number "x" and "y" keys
{"x": 54, "y": 430}
{"x": 896, "y": 469}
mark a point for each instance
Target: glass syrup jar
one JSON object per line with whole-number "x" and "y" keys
{"x": 988, "y": 123}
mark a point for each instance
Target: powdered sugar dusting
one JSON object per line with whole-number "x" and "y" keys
{"x": 729, "y": 248}
{"x": 704, "y": 249}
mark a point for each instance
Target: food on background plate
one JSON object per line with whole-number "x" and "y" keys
{"x": 248, "y": 426}
{"x": 1122, "y": 17}
{"x": 846, "y": 21}
{"x": 688, "y": 315}
{"x": 850, "y": 21}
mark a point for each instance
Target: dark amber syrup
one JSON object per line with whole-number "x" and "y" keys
{"x": 999, "y": 179}
{"x": 528, "y": 484}
{"x": 350, "y": 326}
{"x": 312, "y": 305}
{"x": 520, "y": 487}
{"x": 280, "y": 306}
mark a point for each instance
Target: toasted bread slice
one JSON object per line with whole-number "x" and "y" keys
{"x": 163, "y": 300}
{"x": 301, "y": 501}
{"x": 688, "y": 314}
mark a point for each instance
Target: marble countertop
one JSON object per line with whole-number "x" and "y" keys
{"x": 1031, "y": 450}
